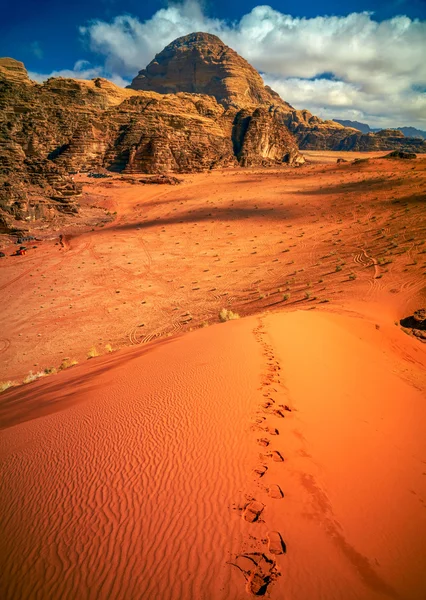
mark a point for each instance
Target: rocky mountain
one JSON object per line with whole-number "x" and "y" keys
{"x": 198, "y": 105}
{"x": 364, "y": 128}
{"x": 200, "y": 63}
{"x": 50, "y": 131}
{"x": 413, "y": 132}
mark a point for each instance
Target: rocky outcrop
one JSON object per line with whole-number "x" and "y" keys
{"x": 312, "y": 133}
{"x": 200, "y": 63}
{"x": 259, "y": 139}
{"x": 416, "y": 323}
{"x": 13, "y": 70}
{"x": 198, "y": 105}
{"x": 401, "y": 154}
{"x": 50, "y": 131}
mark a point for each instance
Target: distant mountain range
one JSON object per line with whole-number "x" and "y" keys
{"x": 365, "y": 128}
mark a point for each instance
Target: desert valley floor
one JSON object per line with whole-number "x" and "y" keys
{"x": 282, "y": 453}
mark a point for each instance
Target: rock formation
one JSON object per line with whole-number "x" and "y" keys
{"x": 313, "y": 133}
{"x": 198, "y": 105}
{"x": 200, "y": 63}
{"x": 50, "y": 131}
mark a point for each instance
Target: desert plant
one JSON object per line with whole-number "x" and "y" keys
{"x": 338, "y": 268}
{"x": 108, "y": 348}
{"x": 67, "y": 363}
{"x": 5, "y": 385}
{"x": 286, "y": 297}
{"x": 49, "y": 370}
{"x": 33, "y": 376}
{"x": 227, "y": 315}
{"x": 92, "y": 352}
{"x": 352, "y": 276}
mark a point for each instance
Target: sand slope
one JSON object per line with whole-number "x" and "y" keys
{"x": 158, "y": 473}
{"x": 243, "y": 239}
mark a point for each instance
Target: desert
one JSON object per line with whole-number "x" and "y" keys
{"x": 213, "y": 356}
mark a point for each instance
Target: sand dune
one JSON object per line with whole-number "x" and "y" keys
{"x": 282, "y": 454}
{"x": 242, "y": 239}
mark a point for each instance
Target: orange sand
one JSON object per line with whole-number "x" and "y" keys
{"x": 283, "y": 450}
{"x": 132, "y": 481}
{"x": 240, "y": 239}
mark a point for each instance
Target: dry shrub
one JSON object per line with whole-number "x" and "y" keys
{"x": 5, "y": 385}
{"x": 67, "y": 363}
{"x": 227, "y": 315}
{"x": 92, "y": 353}
{"x": 33, "y": 376}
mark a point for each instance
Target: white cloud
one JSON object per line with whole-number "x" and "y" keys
{"x": 378, "y": 68}
{"x": 338, "y": 99}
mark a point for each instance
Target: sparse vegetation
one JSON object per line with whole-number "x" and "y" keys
{"x": 92, "y": 353}
{"x": 5, "y": 385}
{"x": 33, "y": 376}
{"x": 228, "y": 315}
{"x": 108, "y": 348}
{"x": 286, "y": 297}
{"x": 67, "y": 363}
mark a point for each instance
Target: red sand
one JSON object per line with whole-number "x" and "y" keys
{"x": 129, "y": 485}
{"x": 240, "y": 239}
{"x": 285, "y": 450}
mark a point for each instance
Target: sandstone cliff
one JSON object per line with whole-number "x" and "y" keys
{"x": 198, "y": 105}
{"x": 63, "y": 126}
{"x": 313, "y": 133}
{"x": 202, "y": 63}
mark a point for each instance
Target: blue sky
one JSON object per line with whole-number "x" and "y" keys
{"x": 374, "y": 62}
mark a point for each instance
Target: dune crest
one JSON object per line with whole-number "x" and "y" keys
{"x": 134, "y": 487}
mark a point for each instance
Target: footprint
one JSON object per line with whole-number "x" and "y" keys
{"x": 252, "y": 511}
{"x": 261, "y": 470}
{"x": 279, "y": 413}
{"x": 263, "y": 441}
{"x": 272, "y": 431}
{"x": 274, "y": 491}
{"x": 276, "y": 456}
{"x": 258, "y": 570}
{"x": 275, "y": 543}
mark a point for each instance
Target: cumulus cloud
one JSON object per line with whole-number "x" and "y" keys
{"x": 375, "y": 70}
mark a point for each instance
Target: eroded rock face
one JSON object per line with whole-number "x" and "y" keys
{"x": 416, "y": 323}
{"x": 259, "y": 139}
{"x": 312, "y": 133}
{"x": 200, "y": 63}
{"x": 50, "y": 131}
{"x": 198, "y": 105}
